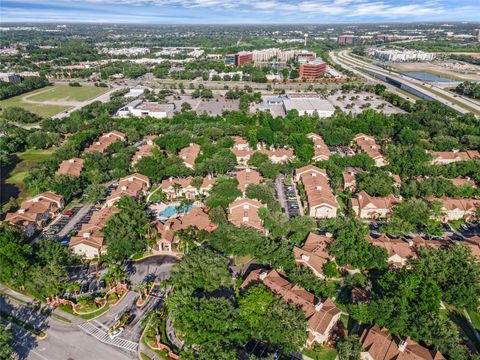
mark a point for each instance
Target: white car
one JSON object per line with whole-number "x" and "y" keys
{"x": 116, "y": 332}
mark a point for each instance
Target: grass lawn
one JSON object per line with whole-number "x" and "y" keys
{"x": 459, "y": 318}
{"x": 475, "y": 316}
{"x": 43, "y": 110}
{"x": 319, "y": 353}
{"x": 144, "y": 357}
{"x": 68, "y": 93}
{"x": 28, "y": 160}
{"x": 69, "y": 310}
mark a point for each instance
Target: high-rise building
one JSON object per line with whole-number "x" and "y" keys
{"x": 476, "y": 34}
{"x": 312, "y": 69}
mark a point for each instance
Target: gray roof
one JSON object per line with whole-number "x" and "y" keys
{"x": 311, "y": 104}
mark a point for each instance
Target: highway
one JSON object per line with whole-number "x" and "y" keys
{"x": 459, "y": 103}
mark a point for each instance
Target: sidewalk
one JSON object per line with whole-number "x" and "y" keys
{"x": 12, "y": 295}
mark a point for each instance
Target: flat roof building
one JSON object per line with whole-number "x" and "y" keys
{"x": 142, "y": 109}
{"x": 313, "y": 69}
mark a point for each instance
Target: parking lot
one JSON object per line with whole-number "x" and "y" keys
{"x": 287, "y": 196}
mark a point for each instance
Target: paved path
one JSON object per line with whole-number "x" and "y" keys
{"x": 74, "y": 220}
{"x": 172, "y": 337}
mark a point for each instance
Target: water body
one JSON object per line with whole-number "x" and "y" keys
{"x": 425, "y": 76}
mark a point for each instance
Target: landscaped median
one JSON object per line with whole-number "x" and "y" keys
{"x": 10, "y": 318}
{"x": 91, "y": 306}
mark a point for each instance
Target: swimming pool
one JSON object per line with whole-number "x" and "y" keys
{"x": 172, "y": 210}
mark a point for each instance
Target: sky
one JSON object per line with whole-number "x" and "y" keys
{"x": 238, "y": 11}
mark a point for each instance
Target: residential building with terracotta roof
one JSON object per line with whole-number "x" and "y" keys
{"x": 466, "y": 181}
{"x": 350, "y": 178}
{"x": 244, "y": 211}
{"x": 189, "y": 155}
{"x": 71, "y": 166}
{"x": 457, "y": 209}
{"x": 182, "y": 187}
{"x": 135, "y": 186}
{"x": 34, "y": 213}
{"x": 448, "y": 157}
{"x": 321, "y": 202}
{"x": 398, "y": 250}
{"x": 246, "y": 177}
{"x": 277, "y": 156}
{"x": 379, "y": 344}
{"x": 241, "y": 149}
{"x": 167, "y": 239}
{"x": 89, "y": 242}
{"x": 105, "y": 141}
{"x": 321, "y": 150}
{"x": 321, "y": 315}
{"x": 368, "y": 145}
{"x": 144, "y": 150}
{"x": 313, "y": 254}
{"x": 373, "y": 207}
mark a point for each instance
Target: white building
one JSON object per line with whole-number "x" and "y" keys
{"x": 142, "y": 109}
{"x": 308, "y": 104}
{"x": 400, "y": 55}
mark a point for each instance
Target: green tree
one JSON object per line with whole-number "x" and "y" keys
{"x": 223, "y": 192}
{"x": 14, "y": 256}
{"x": 6, "y": 350}
{"x": 349, "y": 348}
{"x": 201, "y": 270}
{"x": 125, "y": 231}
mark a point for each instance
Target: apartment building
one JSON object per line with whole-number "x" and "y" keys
{"x": 246, "y": 177}
{"x": 321, "y": 315}
{"x": 105, "y": 141}
{"x": 321, "y": 202}
{"x": 135, "y": 186}
{"x": 321, "y": 150}
{"x": 244, "y": 211}
{"x": 189, "y": 155}
{"x": 176, "y": 188}
{"x": 73, "y": 166}
{"x": 34, "y": 213}
{"x": 368, "y": 145}
{"x": 313, "y": 254}
{"x": 89, "y": 242}
{"x": 144, "y": 150}
{"x": 448, "y": 157}
{"x": 373, "y": 207}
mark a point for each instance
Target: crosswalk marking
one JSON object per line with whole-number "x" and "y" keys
{"x": 102, "y": 335}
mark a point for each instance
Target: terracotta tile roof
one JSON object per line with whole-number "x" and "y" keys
{"x": 394, "y": 247}
{"x": 72, "y": 166}
{"x": 245, "y": 212}
{"x": 196, "y": 217}
{"x": 91, "y": 233}
{"x": 321, "y": 150}
{"x": 135, "y": 186}
{"x": 453, "y": 156}
{"x": 362, "y": 200}
{"x": 281, "y": 154}
{"x": 189, "y": 154}
{"x": 105, "y": 141}
{"x": 381, "y": 345}
{"x": 317, "y": 187}
{"x": 144, "y": 150}
{"x": 458, "y": 182}
{"x": 368, "y": 145}
{"x": 314, "y": 252}
{"x": 319, "y": 315}
{"x": 246, "y": 177}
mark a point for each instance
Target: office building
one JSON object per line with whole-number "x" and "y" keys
{"x": 349, "y": 40}
{"x": 312, "y": 69}
{"x": 238, "y": 59}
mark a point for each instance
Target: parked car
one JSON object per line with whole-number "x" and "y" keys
{"x": 130, "y": 319}
{"x": 68, "y": 213}
{"x": 116, "y": 332}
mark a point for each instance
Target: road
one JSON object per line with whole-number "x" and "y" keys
{"x": 80, "y": 104}
{"x": 63, "y": 342}
{"x": 459, "y": 103}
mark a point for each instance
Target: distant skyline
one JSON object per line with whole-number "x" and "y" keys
{"x": 237, "y": 11}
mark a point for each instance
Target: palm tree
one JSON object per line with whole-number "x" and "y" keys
{"x": 176, "y": 187}
{"x": 142, "y": 289}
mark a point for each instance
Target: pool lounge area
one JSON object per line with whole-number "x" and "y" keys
{"x": 165, "y": 211}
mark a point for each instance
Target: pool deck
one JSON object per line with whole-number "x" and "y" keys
{"x": 159, "y": 208}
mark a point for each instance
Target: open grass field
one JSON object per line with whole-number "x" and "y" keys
{"x": 14, "y": 182}
{"x": 68, "y": 93}
{"x": 43, "y": 110}
{"x": 51, "y": 100}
